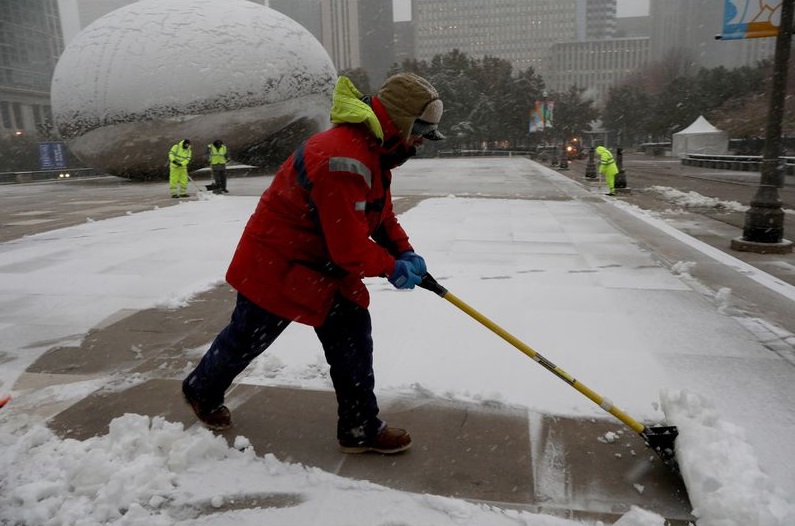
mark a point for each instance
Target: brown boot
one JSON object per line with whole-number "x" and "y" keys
{"x": 218, "y": 418}
{"x": 388, "y": 441}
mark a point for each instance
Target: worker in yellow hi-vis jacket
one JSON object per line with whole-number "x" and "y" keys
{"x": 178, "y": 158}
{"x": 219, "y": 156}
{"x": 608, "y": 167}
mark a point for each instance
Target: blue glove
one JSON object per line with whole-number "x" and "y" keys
{"x": 416, "y": 261}
{"x": 404, "y": 277}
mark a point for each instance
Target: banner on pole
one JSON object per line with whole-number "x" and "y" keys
{"x": 541, "y": 115}
{"x": 750, "y": 19}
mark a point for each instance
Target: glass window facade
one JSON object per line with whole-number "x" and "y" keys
{"x": 520, "y": 32}
{"x": 30, "y": 44}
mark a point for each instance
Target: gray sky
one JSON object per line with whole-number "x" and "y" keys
{"x": 632, "y": 8}
{"x": 625, "y": 8}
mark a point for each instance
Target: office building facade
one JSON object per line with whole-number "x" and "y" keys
{"x": 600, "y": 20}
{"x": 359, "y": 34}
{"x": 521, "y": 32}
{"x": 404, "y": 41}
{"x": 595, "y": 65}
{"x": 30, "y": 44}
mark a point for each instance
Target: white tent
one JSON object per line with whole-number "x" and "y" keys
{"x": 700, "y": 137}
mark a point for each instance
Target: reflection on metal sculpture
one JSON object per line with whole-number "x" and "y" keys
{"x": 149, "y": 74}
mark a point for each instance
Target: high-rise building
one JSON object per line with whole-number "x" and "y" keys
{"x": 521, "y": 32}
{"x": 596, "y": 65}
{"x": 404, "y": 41}
{"x": 688, "y": 28}
{"x": 359, "y": 34}
{"x": 30, "y": 44}
{"x": 305, "y": 12}
{"x": 600, "y": 19}
{"x": 377, "y": 37}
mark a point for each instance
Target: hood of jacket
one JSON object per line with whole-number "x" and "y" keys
{"x": 347, "y": 107}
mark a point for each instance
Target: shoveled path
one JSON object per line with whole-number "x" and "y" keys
{"x": 502, "y": 455}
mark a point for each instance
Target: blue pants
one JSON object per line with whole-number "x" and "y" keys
{"x": 346, "y": 336}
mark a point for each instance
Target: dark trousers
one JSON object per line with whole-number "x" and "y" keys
{"x": 219, "y": 177}
{"x": 346, "y": 336}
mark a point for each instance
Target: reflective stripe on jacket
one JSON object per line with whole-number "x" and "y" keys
{"x": 607, "y": 164}
{"x": 326, "y": 220}
{"x": 179, "y": 153}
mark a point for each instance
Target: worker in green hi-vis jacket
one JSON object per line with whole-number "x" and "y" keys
{"x": 178, "y": 158}
{"x": 608, "y": 167}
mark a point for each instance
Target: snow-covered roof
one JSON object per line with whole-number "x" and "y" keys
{"x": 700, "y": 125}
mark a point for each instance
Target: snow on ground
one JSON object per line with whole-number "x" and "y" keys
{"x": 552, "y": 273}
{"x": 149, "y": 472}
{"x": 695, "y": 200}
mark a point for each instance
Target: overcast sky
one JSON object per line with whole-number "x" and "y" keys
{"x": 632, "y": 8}
{"x": 625, "y": 8}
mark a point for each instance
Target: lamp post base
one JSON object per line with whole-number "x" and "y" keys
{"x": 590, "y": 166}
{"x": 782, "y": 247}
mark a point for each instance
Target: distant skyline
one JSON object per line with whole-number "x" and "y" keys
{"x": 624, "y": 8}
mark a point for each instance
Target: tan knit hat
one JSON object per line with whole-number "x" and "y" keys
{"x": 408, "y": 97}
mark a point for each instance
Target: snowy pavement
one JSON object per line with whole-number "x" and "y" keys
{"x": 548, "y": 259}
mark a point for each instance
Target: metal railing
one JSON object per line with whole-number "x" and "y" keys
{"x": 743, "y": 163}
{"x": 47, "y": 175}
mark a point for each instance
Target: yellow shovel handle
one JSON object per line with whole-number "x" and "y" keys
{"x": 431, "y": 284}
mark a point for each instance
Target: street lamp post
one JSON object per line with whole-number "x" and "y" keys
{"x": 590, "y": 166}
{"x": 763, "y": 231}
{"x": 621, "y": 176}
{"x": 564, "y": 157}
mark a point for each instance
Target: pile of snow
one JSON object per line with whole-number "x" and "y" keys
{"x": 695, "y": 200}
{"x": 723, "y": 479}
{"x": 150, "y": 472}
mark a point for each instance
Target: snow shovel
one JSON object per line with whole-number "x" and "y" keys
{"x": 196, "y": 188}
{"x": 659, "y": 438}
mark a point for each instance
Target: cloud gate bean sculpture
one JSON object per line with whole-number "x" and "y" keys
{"x": 147, "y": 75}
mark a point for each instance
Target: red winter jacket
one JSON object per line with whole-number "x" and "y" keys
{"x": 325, "y": 222}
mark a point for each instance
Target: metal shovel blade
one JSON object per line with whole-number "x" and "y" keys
{"x": 661, "y": 439}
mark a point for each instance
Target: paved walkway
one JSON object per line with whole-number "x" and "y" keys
{"x": 510, "y": 457}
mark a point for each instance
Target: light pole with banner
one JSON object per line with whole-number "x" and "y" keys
{"x": 763, "y": 231}
{"x": 541, "y": 117}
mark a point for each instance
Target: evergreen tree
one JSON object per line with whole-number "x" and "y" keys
{"x": 627, "y": 111}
